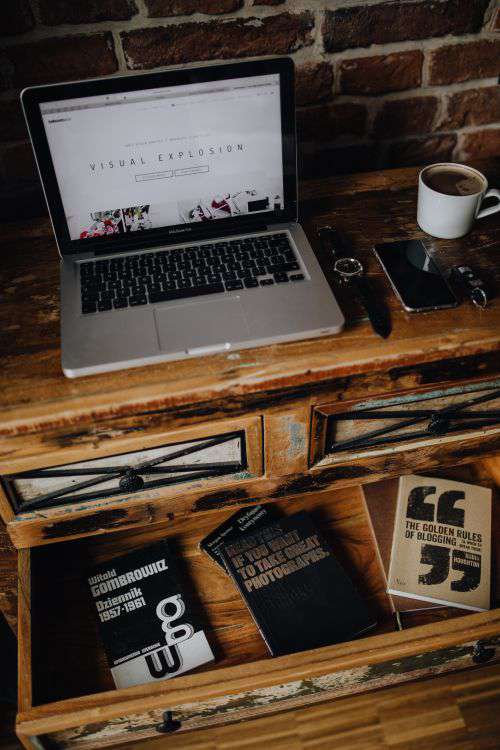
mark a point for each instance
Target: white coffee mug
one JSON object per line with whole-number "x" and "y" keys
{"x": 451, "y": 216}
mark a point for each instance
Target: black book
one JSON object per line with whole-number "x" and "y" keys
{"x": 235, "y": 526}
{"x": 149, "y": 627}
{"x": 298, "y": 594}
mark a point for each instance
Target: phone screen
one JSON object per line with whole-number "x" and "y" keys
{"x": 414, "y": 276}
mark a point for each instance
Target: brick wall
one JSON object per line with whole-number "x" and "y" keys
{"x": 378, "y": 83}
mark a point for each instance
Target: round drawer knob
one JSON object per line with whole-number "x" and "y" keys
{"x": 438, "y": 425}
{"x": 169, "y": 724}
{"x": 131, "y": 482}
{"x": 481, "y": 653}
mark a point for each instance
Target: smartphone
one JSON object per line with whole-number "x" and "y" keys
{"x": 415, "y": 278}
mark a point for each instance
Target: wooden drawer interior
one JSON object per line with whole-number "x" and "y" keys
{"x": 61, "y": 649}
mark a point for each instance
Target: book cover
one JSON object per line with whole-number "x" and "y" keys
{"x": 147, "y": 622}
{"x": 380, "y": 500}
{"x": 239, "y": 523}
{"x": 298, "y": 594}
{"x": 441, "y": 548}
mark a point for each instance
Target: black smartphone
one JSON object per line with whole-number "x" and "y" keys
{"x": 414, "y": 276}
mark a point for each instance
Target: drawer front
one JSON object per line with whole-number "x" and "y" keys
{"x": 392, "y": 425}
{"x": 74, "y": 499}
{"x": 254, "y": 703}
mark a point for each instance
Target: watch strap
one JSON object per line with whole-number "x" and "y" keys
{"x": 377, "y": 312}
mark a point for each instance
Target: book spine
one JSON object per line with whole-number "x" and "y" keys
{"x": 266, "y": 636}
{"x": 377, "y": 550}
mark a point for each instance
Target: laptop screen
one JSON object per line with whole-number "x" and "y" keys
{"x": 154, "y": 158}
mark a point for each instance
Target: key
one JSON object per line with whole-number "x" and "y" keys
{"x": 232, "y": 285}
{"x": 250, "y": 283}
{"x": 136, "y": 301}
{"x": 181, "y": 293}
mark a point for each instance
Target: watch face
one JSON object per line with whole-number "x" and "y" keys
{"x": 348, "y": 267}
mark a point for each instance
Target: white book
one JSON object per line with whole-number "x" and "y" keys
{"x": 441, "y": 546}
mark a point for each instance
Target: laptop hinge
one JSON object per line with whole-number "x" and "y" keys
{"x": 142, "y": 242}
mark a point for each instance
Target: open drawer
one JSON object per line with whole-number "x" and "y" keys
{"x": 67, "y": 698}
{"x": 128, "y": 482}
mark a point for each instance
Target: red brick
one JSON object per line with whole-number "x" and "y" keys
{"x": 479, "y": 106}
{"x": 18, "y": 163}
{"x": 406, "y": 117}
{"x": 421, "y": 151}
{"x": 16, "y": 17}
{"x": 313, "y": 83}
{"x": 159, "y": 8}
{"x": 54, "y": 12}
{"x": 59, "y": 59}
{"x": 481, "y": 144}
{"x": 464, "y": 62}
{"x": 326, "y": 123}
{"x": 362, "y": 26}
{"x": 242, "y": 37}
{"x": 12, "y": 125}
{"x": 380, "y": 74}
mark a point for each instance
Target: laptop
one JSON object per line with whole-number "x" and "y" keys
{"x": 173, "y": 199}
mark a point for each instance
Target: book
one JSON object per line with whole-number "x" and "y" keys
{"x": 148, "y": 625}
{"x": 233, "y": 527}
{"x": 380, "y": 499}
{"x": 441, "y": 548}
{"x": 297, "y": 593}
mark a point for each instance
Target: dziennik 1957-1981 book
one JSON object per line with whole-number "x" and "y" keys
{"x": 147, "y": 622}
{"x": 441, "y": 548}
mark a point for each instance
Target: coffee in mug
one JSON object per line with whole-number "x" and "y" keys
{"x": 450, "y": 198}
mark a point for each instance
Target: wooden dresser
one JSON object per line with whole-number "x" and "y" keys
{"x": 302, "y": 425}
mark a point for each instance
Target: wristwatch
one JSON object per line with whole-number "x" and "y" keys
{"x": 349, "y": 272}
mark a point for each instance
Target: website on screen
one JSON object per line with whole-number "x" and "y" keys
{"x": 154, "y": 158}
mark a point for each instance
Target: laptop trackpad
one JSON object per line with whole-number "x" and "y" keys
{"x": 201, "y": 324}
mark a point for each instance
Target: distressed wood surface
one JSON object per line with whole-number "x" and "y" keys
{"x": 273, "y": 673}
{"x": 345, "y": 428}
{"x": 171, "y": 504}
{"x": 455, "y": 710}
{"x": 458, "y": 711}
{"x": 250, "y": 704}
{"x": 371, "y": 208}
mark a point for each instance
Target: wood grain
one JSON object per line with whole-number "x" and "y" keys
{"x": 36, "y": 395}
{"x": 234, "y": 636}
{"x": 360, "y": 722}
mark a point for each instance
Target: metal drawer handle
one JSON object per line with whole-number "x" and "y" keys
{"x": 481, "y": 653}
{"x": 169, "y": 724}
{"x": 452, "y": 418}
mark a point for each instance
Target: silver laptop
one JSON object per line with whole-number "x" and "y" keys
{"x": 173, "y": 198}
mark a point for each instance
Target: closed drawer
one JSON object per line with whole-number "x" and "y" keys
{"x": 66, "y": 695}
{"x": 148, "y": 480}
{"x": 395, "y": 434}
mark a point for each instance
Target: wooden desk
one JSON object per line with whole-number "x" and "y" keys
{"x": 288, "y": 405}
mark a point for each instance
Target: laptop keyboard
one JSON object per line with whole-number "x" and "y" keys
{"x": 199, "y": 270}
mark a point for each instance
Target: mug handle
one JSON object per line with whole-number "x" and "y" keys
{"x": 490, "y": 209}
